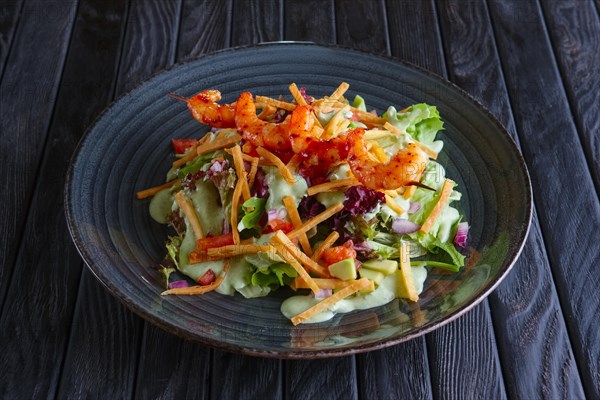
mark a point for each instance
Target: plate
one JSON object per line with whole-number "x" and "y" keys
{"x": 128, "y": 149}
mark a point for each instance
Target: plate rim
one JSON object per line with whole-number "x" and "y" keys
{"x": 297, "y": 353}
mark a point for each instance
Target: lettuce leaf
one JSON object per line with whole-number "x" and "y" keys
{"x": 274, "y": 276}
{"x": 421, "y": 121}
{"x": 359, "y": 103}
{"x": 253, "y": 209}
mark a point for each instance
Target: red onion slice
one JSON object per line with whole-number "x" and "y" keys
{"x": 404, "y": 226}
{"x": 322, "y": 293}
{"x": 178, "y": 284}
{"x": 273, "y": 213}
{"x": 414, "y": 207}
{"x": 462, "y": 232}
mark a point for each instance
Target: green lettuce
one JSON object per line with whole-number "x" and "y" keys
{"x": 253, "y": 209}
{"x": 274, "y": 276}
{"x": 421, "y": 121}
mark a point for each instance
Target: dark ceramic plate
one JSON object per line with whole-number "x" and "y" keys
{"x": 128, "y": 149}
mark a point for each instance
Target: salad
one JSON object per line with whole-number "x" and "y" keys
{"x": 345, "y": 207}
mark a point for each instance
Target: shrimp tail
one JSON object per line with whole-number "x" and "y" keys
{"x": 205, "y": 109}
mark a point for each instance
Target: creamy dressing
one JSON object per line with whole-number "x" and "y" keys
{"x": 160, "y": 206}
{"x": 384, "y": 293}
{"x": 279, "y": 188}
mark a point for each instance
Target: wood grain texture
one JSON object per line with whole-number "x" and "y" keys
{"x": 242, "y": 377}
{"x": 101, "y": 359}
{"x": 567, "y": 202}
{"x": 310, "y": 20}
{"x": 457, "y": 340}
{"x": 413, "y": 31}
{"x": 9, "y": 19}
{"x": 361, "y": 24}
{"x": 326, "y": 379}
{"x": 172, "y": 368}
{"x": 398, "y": 372}
{"x": 110, "y": 368}
{"x": 256, "y": 21}
{"x": 37, "y": 315}
{"x": 205, "y": 27}
{"x": 574, "y": 28}
{"x": 27, "y": 97}
{"x": 537, "y": 362}
{"x": 150, "y": 40}
{"x": 463, "y": 359}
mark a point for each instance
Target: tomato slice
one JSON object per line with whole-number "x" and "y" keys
{"x": 214, "y": 241}
{"x": 207, "y": 278}
{"x": 279, "y": 225}
{"x": 339, "y": 253}
{"x": 181, "y": 145}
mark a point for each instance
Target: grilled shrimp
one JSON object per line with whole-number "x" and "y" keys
{"x": 289, "y": 134}
{"x": 205, "y": 109}
{"x": 405, "y": 167}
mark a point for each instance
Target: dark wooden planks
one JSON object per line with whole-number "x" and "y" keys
{"x": 574, "y": 28}
{"x": 37, "y": 316}
{"x": 172, "y": 368}
{"x": 310, "y": 20}
{"x": 242, "y": 377}
{"x": 150, "y": 41}
{"x": 205, "y": 26}
{"x": 361, "y": 25}
{"x": 27, "y": 94}
{"x": 392, "y": 373}
{"x": 537, "y": 362}
{"x": 417, "y": 40}
{"x": 9, "y": 19}
{"x": 566, "y": 201}
{"x": 256, "y": 21}
{"x": 115, "y": 334}
{"x": 414, "y": 33}
{"x": 328, "y": 379}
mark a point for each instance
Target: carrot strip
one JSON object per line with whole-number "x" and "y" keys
{"x": 340, "y": 91}
{"x": 290, "y": 206}
{"x": 217, "y": 144}
{"x": 276, "y": 103}
{"x": 253, "y": 171}
{"x": 281, "y": 239}
{"x": 332, "y": 186}
{"x": 439, "y": 206}
{"x": 285, "y": 173}
{"x": 237, "y": 192}
{"x": 238, "y": 249}
{"x": 404, "y": 279}
{"x": 245, "y": 157}
{"x": 240, "y": 171}
{"x": 408, "y": 193}
{"x": 188, "y": 209}
{"x": 331, "y": 126}
{"x": 297, "y": 95}
{"x": 153, "y": 190}
{"x": 314, "y": 221}
{"x": 267, "y": 111}
{"x": 323, "y": 283}
{"x": 296, "y": 265}
{"x": 361, "y": 284}
{"x": 327, "y": 243}
{"x": 393, "y": 205}
{"x": 201, "y": 289}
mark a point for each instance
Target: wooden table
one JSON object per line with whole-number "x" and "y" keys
{"x": 534, "y": 64}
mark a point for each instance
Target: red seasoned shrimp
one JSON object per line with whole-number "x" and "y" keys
{"x": 289, "y": 134}
{"x": 205, "y": 109}
{"x": 405, "y": 167}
